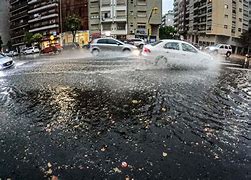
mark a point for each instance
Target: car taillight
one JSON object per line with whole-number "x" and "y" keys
{"x": 146, "y": 50}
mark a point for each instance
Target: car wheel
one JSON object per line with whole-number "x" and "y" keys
{"x": 95, "y": 52}
{"x": 160, "y": 60}
{"x": 141, "y": 46}
{"x": 215, "y": 52}
{"x": 228, "y": 54}
{"x": 126, "y": 51}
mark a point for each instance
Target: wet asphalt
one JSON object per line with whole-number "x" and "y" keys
{"x": 73, "y": 116}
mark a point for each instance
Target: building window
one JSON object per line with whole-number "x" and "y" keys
{"x": 225, "y": 26}
{"x": 226, "y": 6}
{"x": 240, "y": 19}
{"x": 240, "y": 10}
{"x": 239, "y": 29}
{"x": 226, "y": 16}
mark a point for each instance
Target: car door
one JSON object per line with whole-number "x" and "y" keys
{"x": 102, "y": 44}
{"x": 171, "y": 51}
{"x": 222, "y": 49}
{"x": 189, "y": 53}
{"x": 114, "y": 45}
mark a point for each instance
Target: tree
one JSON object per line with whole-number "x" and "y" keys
{"x": 1, "y": 43}
{"x": 28, "y": 38}
{"x": 37, "y": 38}
{"x": 246, "y": 39}
{"x": 9, "y": 45}
{"x": 73, "y": 24}
{"x": 167, "y": 32}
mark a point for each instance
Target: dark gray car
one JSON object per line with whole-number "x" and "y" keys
{"x": 110, "y": 45}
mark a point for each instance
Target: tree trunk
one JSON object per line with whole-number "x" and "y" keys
{"x": 74, "y": 36}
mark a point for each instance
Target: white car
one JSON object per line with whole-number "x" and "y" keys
{"x": 31, "y": 50}
{"x": 5, "y": 61}
{"x": 175, "y": 52}
{"x": 222, "y": 49}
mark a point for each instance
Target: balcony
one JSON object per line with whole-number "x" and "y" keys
{"x": 43, "y": 8}
{"x": 43, "y": 18}
{"x": 17, "y": 26}
{"x": 19, "y": 15}
{"x": 46, "y": 27}
{"x": 18, "y": 7}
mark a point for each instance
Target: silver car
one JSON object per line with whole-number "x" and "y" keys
{"x": 5, "y": 61}
{"x": 111, "y": 45}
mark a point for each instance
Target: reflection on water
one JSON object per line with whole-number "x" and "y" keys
{"x": 204, "y": 115}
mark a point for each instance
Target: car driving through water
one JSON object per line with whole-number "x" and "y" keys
{"x": 175, "y": 52}
{"x": 5, "y": 61}
{"x": 102, "y": 45}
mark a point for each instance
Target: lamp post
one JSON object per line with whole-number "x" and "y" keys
{"x": 149, "y": 29}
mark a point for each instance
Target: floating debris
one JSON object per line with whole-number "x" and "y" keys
{"x": 124, "y": 164}
{"x": 164, "y": 154}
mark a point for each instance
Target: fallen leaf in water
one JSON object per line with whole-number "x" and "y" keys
{"x": 164, "y": 154}
{"x": 116, "y": 170}
{"x": 49, "y": 165}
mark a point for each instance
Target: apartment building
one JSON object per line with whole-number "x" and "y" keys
{"x": 113, "y": 18}
{"x": 168, "y": 19}
{"x": 249, "y": 13}
{"x": 94, "y": 18}
{"x": 144, "y": 18}
{"x": 77, "y": 8}
{"x": 44, "y": 19}
{"x": 18, "y": 22}
{"x": 125, "y": 18}
{"x": 211, "y": 21}
{"x": 4, "y": 21}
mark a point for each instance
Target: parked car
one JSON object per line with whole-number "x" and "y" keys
{"x": 137, "y": 42}
{"x": 11, "y": 53}
{"x": 31, "y": 50}
{"x": 50, "y": 49}
{"x": 222, "y": 49}
{"x": 110, "y": 44}
{"x": 175, "y": 52}
{"x": 5, "y": 61}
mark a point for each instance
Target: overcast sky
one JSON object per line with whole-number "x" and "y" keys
{"x": 167, "y": 5}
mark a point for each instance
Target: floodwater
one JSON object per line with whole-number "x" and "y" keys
{"x": 81, "y": 119}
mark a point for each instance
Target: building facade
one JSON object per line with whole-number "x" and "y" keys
{"x": 94, "y": 18}
{"x": 208, "y": 22}
{"x": 18, "y": 22}
{"x": 77, "y": 8}
{"x": 144, "y": 19}
{"x": 125, "y": 18}
{"x": 168, "y": 19}
{"x": 4, "y": 21}
{"x": 113, "y": 18}
{"x": 249, "y": 13}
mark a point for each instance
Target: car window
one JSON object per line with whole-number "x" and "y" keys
{"x": 102, "y": 41}
{"x": 111, "y": 41}
{"x": 188, "y": 48}
{"x": 2, "y": 56}
{"x": 172, "y": 45}
{"x": 222, "y": 47}
{"x": 226, "y": 47}
{"x": 156, "y": 43}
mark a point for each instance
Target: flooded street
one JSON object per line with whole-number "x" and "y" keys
{"x": 122, "y": 119}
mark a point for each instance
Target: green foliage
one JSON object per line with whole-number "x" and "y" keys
{"x": 167, "y": 32}
{"x": 28, "y": 38}
{"x": 246, "y": 38}
{"x": 73, "y": 24}
{"x": 37, "y": 37}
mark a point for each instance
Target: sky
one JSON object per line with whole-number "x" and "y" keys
{"x": 167, "y": 5}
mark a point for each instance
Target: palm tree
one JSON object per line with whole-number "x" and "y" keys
{"x": 73, "y": 24}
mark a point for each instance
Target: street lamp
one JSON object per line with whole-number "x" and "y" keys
{"x": 149, "y": 30}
